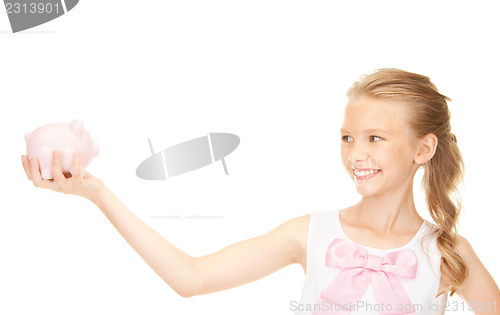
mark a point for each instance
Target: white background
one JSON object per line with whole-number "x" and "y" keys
{"x": 274, "y": 73}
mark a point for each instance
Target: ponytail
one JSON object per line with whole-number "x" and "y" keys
{"x": 442, "y": 175}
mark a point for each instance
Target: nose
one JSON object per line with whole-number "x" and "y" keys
{"x": 358, "y": 153}
{"x": 356, "y": 158}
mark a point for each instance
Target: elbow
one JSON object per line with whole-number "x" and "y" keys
{"x": 187, "y": 291}
{"x": 189, "y": 287}
{"x": 187, "y": 282}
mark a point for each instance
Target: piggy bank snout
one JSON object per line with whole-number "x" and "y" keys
{"x": 95, "y": 149}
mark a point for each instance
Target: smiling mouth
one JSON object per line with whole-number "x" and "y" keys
{"x": 365, "y": 173}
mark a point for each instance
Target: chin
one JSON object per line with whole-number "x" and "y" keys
{"x": 366, "y": 189}
{"x": 366, "y": 192}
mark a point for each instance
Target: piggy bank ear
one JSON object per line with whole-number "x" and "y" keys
{"x": 76, "y": 127}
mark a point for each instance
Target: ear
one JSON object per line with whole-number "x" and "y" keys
{"x": 76, "y": 127}
{"x": 426, "y": 148}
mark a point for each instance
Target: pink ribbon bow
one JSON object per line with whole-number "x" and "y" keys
{"x": 359, "y": 271}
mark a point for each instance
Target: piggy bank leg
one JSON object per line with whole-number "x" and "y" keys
{"x": 46, "y": 171}
{"x": 46, "y": 174}
{"x": 67, "y": 161}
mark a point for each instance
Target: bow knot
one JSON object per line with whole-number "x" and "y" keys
{"x": 359, "y": 270}
{"x": 374, "y": 263}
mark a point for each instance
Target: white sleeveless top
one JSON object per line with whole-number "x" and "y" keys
{"x": 325, "y": 226}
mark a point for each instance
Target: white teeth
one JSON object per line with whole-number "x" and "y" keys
{"x": 364, "y": 173}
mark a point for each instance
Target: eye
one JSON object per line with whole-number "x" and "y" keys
{"x": 372, "y": 137}
{"x": 346, "y": 139}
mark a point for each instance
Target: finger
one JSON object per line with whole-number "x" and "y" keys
{"x": 77, "y": 165}
{"x": 35, "y": 172}
{"x": 57, "y": 173}
{"x": 37, "y": 179}
{"x": 26, "y": 165}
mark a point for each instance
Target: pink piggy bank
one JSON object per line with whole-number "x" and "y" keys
{"x": 66, "y": 138}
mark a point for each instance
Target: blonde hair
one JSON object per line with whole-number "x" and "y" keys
{"x": 428, "y": 114}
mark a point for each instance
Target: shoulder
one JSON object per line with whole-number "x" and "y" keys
{"x": 299, "y": 221}
{"x": 313, "y": 217}
{"x": 464, "y": 248}
{"x": 296, "y": 228}
{"x": 469, "y": 256}
{"x": 478, "y": 285}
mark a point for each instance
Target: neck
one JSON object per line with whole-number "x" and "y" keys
{"x": 392, "y": 210}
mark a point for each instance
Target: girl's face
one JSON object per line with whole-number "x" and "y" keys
{"x": 375, "y": 145}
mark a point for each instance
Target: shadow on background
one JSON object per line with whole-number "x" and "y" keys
{"x": 178, "y": 217}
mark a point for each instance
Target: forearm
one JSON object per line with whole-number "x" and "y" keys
{"x": 174, "y": 266}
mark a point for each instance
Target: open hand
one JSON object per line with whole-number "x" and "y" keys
{"x": 87, "y": 186}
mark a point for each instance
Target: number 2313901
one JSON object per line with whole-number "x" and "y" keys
{"x": 33, "y": 8}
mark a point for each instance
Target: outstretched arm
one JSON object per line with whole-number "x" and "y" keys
{"x": 234, "y": 265}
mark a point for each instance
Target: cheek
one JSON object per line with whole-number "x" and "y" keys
{"x": 386, "y": 158}
{"x": 400, "y": 156}
{"x": 405, "y": 152}
{"x": 344, "y": 155}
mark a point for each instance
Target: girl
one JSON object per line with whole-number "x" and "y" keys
{"x": 375, "y": 257}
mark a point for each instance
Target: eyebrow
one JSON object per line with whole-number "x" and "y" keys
{"x": 366, "y": 131}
